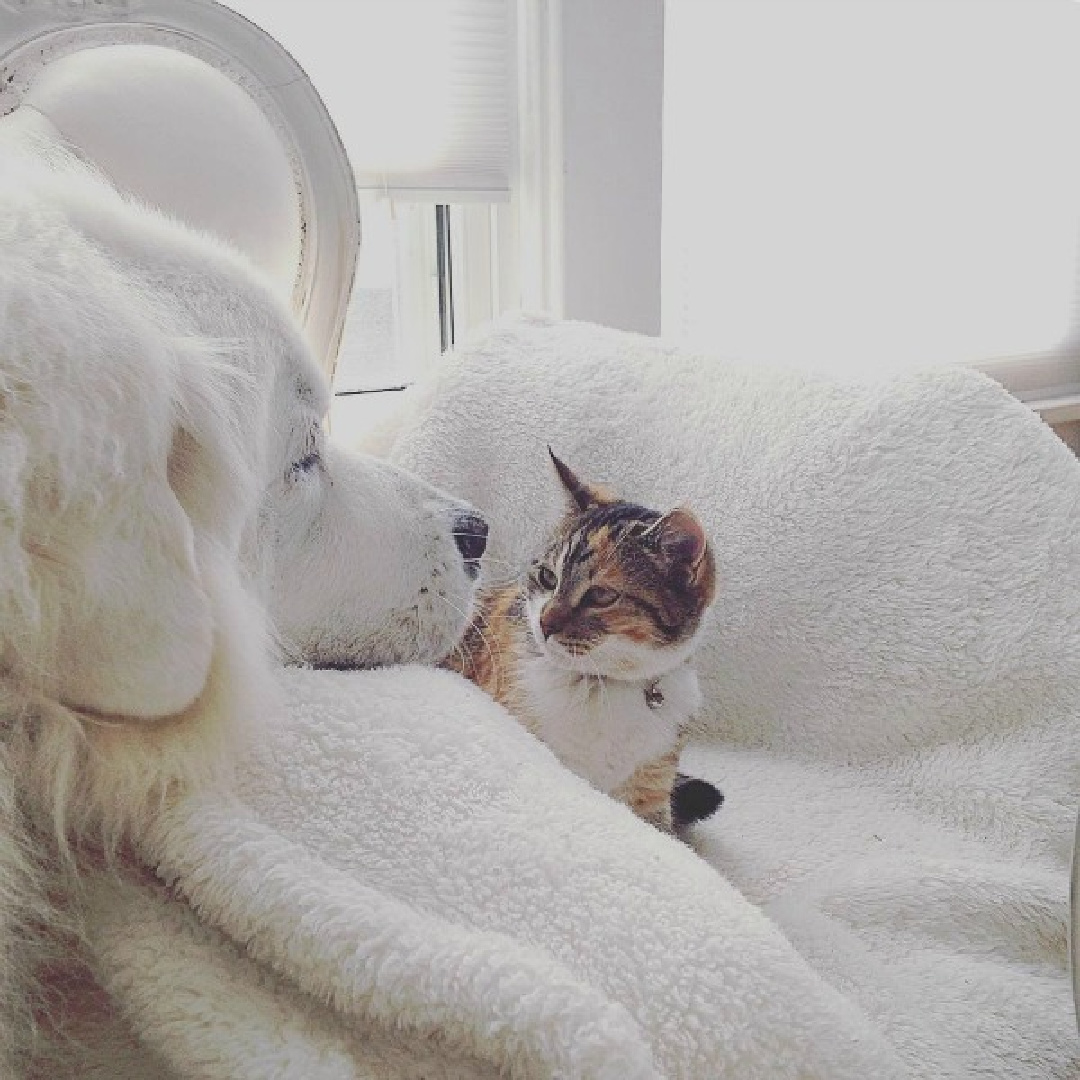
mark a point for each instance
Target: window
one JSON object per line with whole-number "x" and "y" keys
{"x": 426, "y": 276}
{"x": 392, "y": 327}
{"x": 421, "y": 92}
{"x": 869, "y": 185}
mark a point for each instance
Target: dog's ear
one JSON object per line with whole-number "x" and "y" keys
{"x": 118, "y": 570}
{"x": 136, "y": 625}
{"x": 160, "y": 551}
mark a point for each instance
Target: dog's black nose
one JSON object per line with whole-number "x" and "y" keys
{"x": 693, "y": 799}
{"x": 470, "y": 535}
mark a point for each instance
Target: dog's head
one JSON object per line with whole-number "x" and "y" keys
{"x": 360, "y": 563}
{"x": 164, "y": 481}
{"x": 356, "y": 562}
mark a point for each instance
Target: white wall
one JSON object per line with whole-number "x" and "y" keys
{"x": 612, "y": 67}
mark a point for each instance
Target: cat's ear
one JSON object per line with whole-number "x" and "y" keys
{"x": 584, "y": 495}
{"x": 682, "y": 539}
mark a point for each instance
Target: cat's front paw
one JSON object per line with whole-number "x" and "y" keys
{"x": 693, "y": 799}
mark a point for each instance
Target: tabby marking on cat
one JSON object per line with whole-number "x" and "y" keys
{"x": 591, "y": 651}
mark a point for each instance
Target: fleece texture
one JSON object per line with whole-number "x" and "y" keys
{"x": 404, "y": 883}
{"x": 892, "y": 673}
{"x": 407, "y": 884}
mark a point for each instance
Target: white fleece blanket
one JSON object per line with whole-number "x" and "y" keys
{"x": 409, "y": 885}
{"x": 405, "y": 884}
{"x": 893, "y": 674}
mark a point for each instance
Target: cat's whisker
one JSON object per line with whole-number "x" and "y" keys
{"x": 511, "y": 569}
{"x": 480, "y": 619}
{"x": 647, "y": 531}
{"x": 615, "y": 548}
{"x": 602, "y": 683}
{"x": 467, "y": 616}
{"x": 657, "y": 523}
{"x": 496, "y": 584}
{"x": 490, "y": 559}
{"x": 477, "y": 617}
{"x": 505, "y": 577}
{"x": 480, "y": 624}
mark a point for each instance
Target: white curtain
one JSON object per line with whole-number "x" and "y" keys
{"x": 859, "y": 185}
{"x": 421, "y": 90}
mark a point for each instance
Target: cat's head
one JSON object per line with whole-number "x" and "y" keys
{"x": 622, "y": 590}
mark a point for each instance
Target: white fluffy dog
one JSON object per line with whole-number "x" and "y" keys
{"x": 165, "y": 483}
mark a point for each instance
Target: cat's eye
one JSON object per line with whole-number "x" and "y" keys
{"x": 600, "y": 596}
{"x": 545, "y": 577}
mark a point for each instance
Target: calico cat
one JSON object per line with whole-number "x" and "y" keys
{"x": 591, "y": 650}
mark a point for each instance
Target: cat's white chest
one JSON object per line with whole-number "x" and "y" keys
{"x": 605, "y": 729}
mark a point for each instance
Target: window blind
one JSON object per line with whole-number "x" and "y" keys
{"x": 861, "y": 186}
{"x": 421, "y": 91}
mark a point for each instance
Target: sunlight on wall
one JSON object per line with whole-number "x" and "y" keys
{"x": 856, "y": 187}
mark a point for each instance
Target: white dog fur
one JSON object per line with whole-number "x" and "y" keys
{"x": 164, "y": 482}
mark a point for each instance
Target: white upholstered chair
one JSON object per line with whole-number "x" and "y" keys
{"x": 194, "y": 109}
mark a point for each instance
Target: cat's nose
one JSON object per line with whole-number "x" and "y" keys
{"x": 470, "y": 536}
{"x": 552, "y": 620}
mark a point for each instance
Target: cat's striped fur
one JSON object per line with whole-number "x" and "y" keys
{"x": 591, "y": 650}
